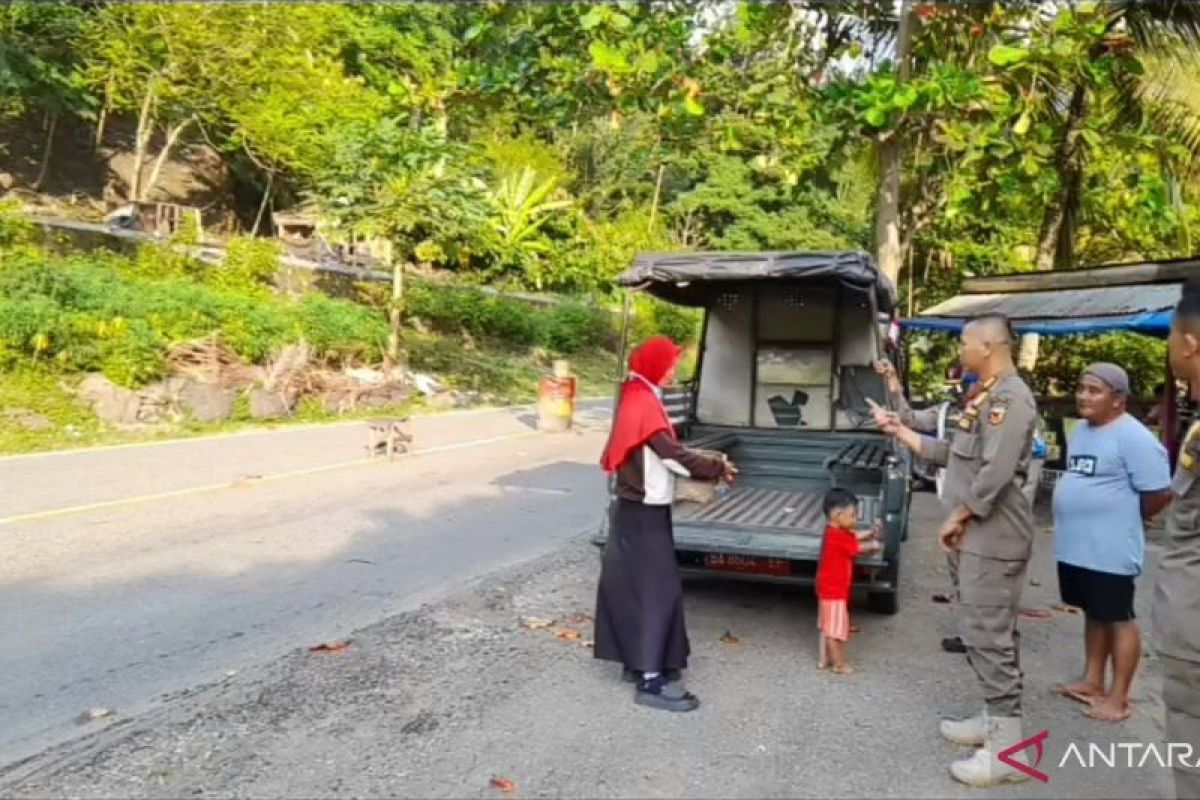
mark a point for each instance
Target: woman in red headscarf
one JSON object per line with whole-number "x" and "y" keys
{"x": 639, "y": 604}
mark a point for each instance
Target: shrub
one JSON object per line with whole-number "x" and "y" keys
{"x": 336, "y": 328}
{"x": 653, "y": 316}
{"x": 251, "y": 265}
{"x": 572, "y": 327}
{"x": 454, "y": 309}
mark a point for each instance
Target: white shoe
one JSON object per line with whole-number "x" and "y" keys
{"x": 970, "y": 732}
{"x": 983, "y": 768}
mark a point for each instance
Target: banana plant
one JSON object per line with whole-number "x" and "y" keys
{"x": 522, "y": 206}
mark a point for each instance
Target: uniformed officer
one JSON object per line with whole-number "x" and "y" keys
{"x": 1177, "y": 593}
{"x": 930, "y": 421}
{"x": 989, "y": 529}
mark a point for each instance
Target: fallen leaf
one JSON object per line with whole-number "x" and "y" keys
{"x": 941, "y": 598}
{"x": 1034, "y": 582}
{"x": 536, "y": 623}
{"x": 93, "y": 714}
{"x": 503, "y": 784}
{"x": 729, "y": 638}
{"x": 579, "y": 619}
{"x": 1036, "y": 613}
{"x": 331, "y": 647}
{"x": 589, "y": 644}
{"x": 1066, "y": 609}
{"x": 566, "y": 634}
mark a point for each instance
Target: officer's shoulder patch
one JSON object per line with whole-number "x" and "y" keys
{"x": 997, "y": 413}
{"x": 1188, "y": 450}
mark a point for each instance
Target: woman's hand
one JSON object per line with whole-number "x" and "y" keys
{"x": 731, "y": 472}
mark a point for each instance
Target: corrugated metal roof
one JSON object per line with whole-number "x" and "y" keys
{"x": 1062, "y": 303}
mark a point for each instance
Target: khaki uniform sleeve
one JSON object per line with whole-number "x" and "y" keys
{"x": 923, "y": 421}
{"x": 1006, "y": 431}
{"x": 935, "y": 451}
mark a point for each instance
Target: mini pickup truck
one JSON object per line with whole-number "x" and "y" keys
{"x": 784, "y": 370}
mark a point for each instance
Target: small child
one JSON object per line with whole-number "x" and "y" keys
{"x": 835, "y": 573}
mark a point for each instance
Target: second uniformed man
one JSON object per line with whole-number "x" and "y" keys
{"x": 989, "y": 529}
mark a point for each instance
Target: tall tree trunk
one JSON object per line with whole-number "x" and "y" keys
{"x": 395, "y": 309}
{"x": 48, "y": 150}
{"x": 141, "y": 140}
{"x": 102, "y": 120}
{"x": 1054, "y": 239}
{"x": 889, "y": 253}
{"x": 262, "y": 207}
{"x": 172, "y": 138}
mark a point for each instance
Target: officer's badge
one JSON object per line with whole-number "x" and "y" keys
{"x": 997, "y": 414}
{"x": 1187, "y": 456}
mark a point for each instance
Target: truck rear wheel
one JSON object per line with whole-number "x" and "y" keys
{"x": 887, "y": 602}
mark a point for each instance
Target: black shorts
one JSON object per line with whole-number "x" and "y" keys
{"x": 1103, "y": 596}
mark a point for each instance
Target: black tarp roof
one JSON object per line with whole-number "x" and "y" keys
{"x": 694, "y": 278}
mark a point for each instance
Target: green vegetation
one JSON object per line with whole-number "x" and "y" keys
{"x": 539, "y": 146}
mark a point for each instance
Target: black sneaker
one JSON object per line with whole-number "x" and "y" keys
{"x": 633, "y": 676}
{"x": 659, "y": 693}
{"x": 954, "y": 644}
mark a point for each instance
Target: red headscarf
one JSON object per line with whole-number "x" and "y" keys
{"x": 640, "y": 413}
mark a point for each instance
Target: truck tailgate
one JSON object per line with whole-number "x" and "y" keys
{"x": 762, "y": 522}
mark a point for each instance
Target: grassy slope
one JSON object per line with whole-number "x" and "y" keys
{"x": 501, "y": 376}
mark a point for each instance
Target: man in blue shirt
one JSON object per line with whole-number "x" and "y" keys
{"x": 1117, "y": 476}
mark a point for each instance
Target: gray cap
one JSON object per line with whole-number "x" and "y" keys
{"x": 1111, "y": 374}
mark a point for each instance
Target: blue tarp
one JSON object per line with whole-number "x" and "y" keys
{"x": 1150, "y": 323}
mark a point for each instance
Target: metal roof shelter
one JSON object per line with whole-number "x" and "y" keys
{"x": 1128, "y": 297}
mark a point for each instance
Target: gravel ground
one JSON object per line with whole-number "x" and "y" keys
{"x": 439, "y": 701}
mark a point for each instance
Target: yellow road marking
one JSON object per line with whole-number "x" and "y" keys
{"x": 266, "y": 431}
{"x": 242, "y": 482}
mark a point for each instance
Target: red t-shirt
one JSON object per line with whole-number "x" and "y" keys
{"x": 836, "y": 569}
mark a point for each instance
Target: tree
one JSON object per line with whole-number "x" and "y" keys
{"x": 415, "y": 190}
{"x": 39, "y": 67}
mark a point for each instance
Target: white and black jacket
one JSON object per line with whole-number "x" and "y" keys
{"x": 648, "y": 475}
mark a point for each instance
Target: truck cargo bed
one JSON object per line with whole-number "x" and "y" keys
{"x": 761, "y": 522}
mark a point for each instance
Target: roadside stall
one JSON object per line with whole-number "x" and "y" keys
{"x": 1133, "y": 298}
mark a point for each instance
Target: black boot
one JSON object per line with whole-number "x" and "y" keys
{"x": 954, "y": 644}
{"x": 658, "y": 693}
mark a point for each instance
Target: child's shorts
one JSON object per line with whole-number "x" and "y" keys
{"x": 833, "y": 619}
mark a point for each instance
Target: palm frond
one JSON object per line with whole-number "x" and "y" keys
{"x": 1160, "y": 25}
{"x": 1167, "y": 98}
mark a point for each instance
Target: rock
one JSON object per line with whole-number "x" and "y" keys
{"x": 371, "y": 377}
{"x": 113, "y": 404}
{"x": 268, "y": 405}
{"x": 427, "y": 384}
{"x": 30, "y": 420}
{"x": 443, "y": 401}
{"x": 207, "y": 402}
{"x": 6, "y": 181}
{"x": 339, "y": 402}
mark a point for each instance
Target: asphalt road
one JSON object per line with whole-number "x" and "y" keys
{"x": 441, "y": 700}
{"x": 131, "y": 574}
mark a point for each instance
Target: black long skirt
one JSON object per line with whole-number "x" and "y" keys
{"x": 639, "y": 604}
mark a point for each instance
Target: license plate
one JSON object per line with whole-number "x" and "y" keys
{"x": 752, "y": 564}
